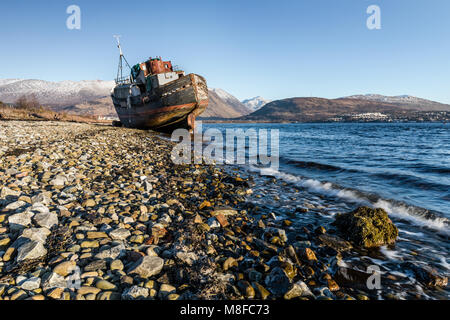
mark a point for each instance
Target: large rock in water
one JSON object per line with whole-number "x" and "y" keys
{"x": 367, "y": 227}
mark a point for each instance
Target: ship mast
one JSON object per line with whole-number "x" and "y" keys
{"x": 122, "y": 58}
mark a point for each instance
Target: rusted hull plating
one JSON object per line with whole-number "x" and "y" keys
{"x": 174, "y": 105}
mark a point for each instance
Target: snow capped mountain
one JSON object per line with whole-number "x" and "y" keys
{"x": 255, "y": 103}
{"x": 228, "y": 105}
{"x": 390, "y": 99}
{"x": 404, "y": 101}
{"x": 224, "y": 95}
{"x": 60, "y": 93}
{"x": 7, "y": 81}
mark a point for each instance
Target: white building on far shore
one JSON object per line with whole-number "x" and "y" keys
{"x": 369, "y": 116}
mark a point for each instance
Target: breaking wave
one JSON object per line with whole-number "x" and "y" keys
{"x": 397, "y": 209}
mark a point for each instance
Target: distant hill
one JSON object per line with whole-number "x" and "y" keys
{"x": 404, "y": 101}
{"x": 320, "y": 109}
{"x": 102, "y": 107}
{"x": 224, "y": 105}
{"x": 92, "y": 97}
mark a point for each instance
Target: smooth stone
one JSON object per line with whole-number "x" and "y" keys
{"x": 74, "y": 248}
{"x": 90, "y": 203}
{"x": 148, "y": 186}
{"x": 5, "y": 192}
{"x": 147, "y": 266}
{"x": 335, "y": 242}
{"x": 36, "y": 234}
{"x": 90, "y": 244}
{"x": 38, "y": 208}
{"x": 153, "y": 251}
{"x": 84, "y": 290}
{"x": 165, "y": 290}
{"x": 112, "y": 253}
{"x": 213, "y": 223}
{"x": 96, "y": 235}
{"x": 229, "y": 263}
{"x": 278, "y": 281}
{"x": 46, "y": 220}
{"x": 246, "y": 289}
{"x": 299, "y": 289}
{"x": 31, "y": 284}
{"x": 224, "y": 211}
{"x": 108, "y": 295}
{"x": 117, "y": 265}
{"x": 278, "y": 232}
{"x": 31, "y": 250}
{"x": 19, "y": 295}
{"x": 53, "y": 280}
{"x": 262, "y": 293}
{"x": 173, "y": 296}
{"x": 134, "y": 293}
{"x": 55, "y": 293}
{"x": 15, "y": 205}
{"x": 137, "y": 239}
{"x": 9, "y": 254}
{"x": 41, "y": 198}
{"x": 20, "y": 279}
{"x": 324, "y": 292}
{"x": 307, "y": 254}
{"x": 4, "y": 242}
{"x": 332, "y": 285}
{"x": 95, "y": 265}
{"x": 58, "y": 181}
{"x": 19, "y": 221}
{"x": 120, "y": 234}
{"x": 105, "y": 285}
{"x": 187, "y": 257}
{"x": 65, "y": 268}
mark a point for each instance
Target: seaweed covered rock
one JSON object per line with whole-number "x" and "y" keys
{"x": 367, "y": 227}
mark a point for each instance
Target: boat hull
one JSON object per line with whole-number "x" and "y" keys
{"x": 171, "y": 106}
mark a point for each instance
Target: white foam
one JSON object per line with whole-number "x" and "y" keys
{"x": 416, "y": 234}
{"x": 391, "y": 254}
{"x": 408, "y": 213}
{"x": 444, "y": 262}
{"x": 400, "y": 211}
{"x": 313, "y": 185}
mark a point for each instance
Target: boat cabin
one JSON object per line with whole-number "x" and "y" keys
{"x": 154, "y": 73}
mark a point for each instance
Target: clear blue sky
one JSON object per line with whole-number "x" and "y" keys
{"x": 275, "y": 49}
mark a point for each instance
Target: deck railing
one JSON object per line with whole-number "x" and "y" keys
{"x": 124, "y": 80}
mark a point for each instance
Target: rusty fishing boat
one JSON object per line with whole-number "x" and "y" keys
{"x": 157, "y": 95}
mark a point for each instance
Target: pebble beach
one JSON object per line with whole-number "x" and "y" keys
{"x": 93, "y": 212}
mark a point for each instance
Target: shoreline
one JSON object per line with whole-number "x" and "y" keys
{"x": 308, "y": 122}
{"x": 108, "y": 206}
